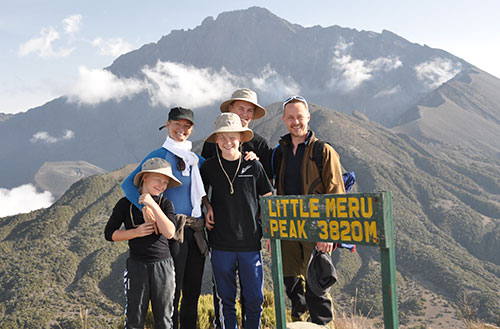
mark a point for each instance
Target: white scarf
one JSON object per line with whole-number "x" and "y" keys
{"x": 183, "y": 150}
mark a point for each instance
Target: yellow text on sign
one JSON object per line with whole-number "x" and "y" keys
{"x": 340, "y": 207}
{"x": 283, "y": 228}
{"x": 293, "y": 208}
{"x": 348, "y": 231}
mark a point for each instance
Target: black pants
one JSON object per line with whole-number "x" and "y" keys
{"x": 144, "y": 282}
{"x": 320, "y": 307}
{"x": 189, "y": 264}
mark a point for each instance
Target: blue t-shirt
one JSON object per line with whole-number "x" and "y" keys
{"x": 180, "y": 195}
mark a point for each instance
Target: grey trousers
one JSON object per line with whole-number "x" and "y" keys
{"x": 144, "y": 282}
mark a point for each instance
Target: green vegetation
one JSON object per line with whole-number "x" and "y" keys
{"x": 55, "y": 262}
{"x": 206, "y": 313}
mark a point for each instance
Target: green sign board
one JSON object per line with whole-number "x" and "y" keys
{"x": 362, "y": 219}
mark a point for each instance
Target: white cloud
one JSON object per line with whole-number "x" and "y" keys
{"x": 72, "y": 24}
{"x": 353, "y": 72}
{"x": 23, "y": 199}
{"x": 172, "y": 84}
{"x": 388, "y": 92}
{"x": 178, "y": 84}
{"x": 341, "y": 46}
{"x": 43, "y": 45}
{"x": 97, "y": 85}
{"x": 112, "y": 47}
{"x": 271, "y": 82}
{"x": 437, "y": 71}
{"x": 385, "y": 64}
{"x": 350, "y": 73}
{"x": 45, "y": 137}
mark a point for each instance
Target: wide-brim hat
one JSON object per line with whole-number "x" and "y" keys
{"x": 159, "y": 166}
{"x": 246, "y": 95}
{"x": 230, "y": 123}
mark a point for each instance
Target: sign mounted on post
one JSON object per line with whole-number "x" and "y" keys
{"x": 364, "y": 219}
{"x": 349, "y": 218}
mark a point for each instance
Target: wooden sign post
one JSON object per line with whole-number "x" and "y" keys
{"x": 362, "y": 219}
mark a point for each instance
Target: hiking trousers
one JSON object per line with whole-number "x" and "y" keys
{"x": 248, "y": 264}
{"x": 189, "y": 265}
{"x": 149, "y": 281}
{"x": 302, "y": 298}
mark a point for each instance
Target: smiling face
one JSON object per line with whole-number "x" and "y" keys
{"x": 179, "y": 130}
{"x": 154, "y": 183}
{"x": 296, "y": 118}
{"x": 229, "y": 144}
{"x": 245, "y": 111}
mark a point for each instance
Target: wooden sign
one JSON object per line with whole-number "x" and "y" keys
{"x": 364, "y": 219}
{"x": 348, "y": 218}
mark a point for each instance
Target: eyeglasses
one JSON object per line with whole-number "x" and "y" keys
{"x": 295, "y": 98}
{"x": 181, "y": 165}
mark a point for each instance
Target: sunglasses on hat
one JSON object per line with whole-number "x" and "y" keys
{"x": 293, "y": 98}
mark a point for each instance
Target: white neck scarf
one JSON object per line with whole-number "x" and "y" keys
{"x": 183, "y": 150}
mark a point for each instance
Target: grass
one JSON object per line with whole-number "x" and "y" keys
{"x": 354, "y": 319}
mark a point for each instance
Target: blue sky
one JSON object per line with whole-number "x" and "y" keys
{"x": 45, "y": 42}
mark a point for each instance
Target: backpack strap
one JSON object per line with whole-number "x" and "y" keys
{"x": 349, "y": 177}
{"x": 275, "y": 161}
{"x": 317, "y": 155}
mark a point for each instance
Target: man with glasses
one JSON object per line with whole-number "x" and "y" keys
{"x": 190, "y": 259}
{"x": 298, "y": 174}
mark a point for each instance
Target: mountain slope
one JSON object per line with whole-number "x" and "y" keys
{"x": 447, "y": 232}
{"x": 107, "y": 135}
{"x": 446, "y": 204}
{"x": 55, "y": 261}
{"x": 57, "y": 177}
{"x": 464, "y": 111}
{"x": 379, "y": 74}
{"x": 5, "y": 116}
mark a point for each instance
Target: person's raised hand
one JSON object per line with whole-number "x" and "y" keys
{"x": 250, "y": 156}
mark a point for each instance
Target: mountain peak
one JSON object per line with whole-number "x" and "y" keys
{"x": 252, "y": 12}
{"x": 256, "y": 18}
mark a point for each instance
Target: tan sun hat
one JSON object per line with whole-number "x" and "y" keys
{"x": 246, "y": 95}
{"x": 160, "y": 166}
{"x": 230, "y": 123}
